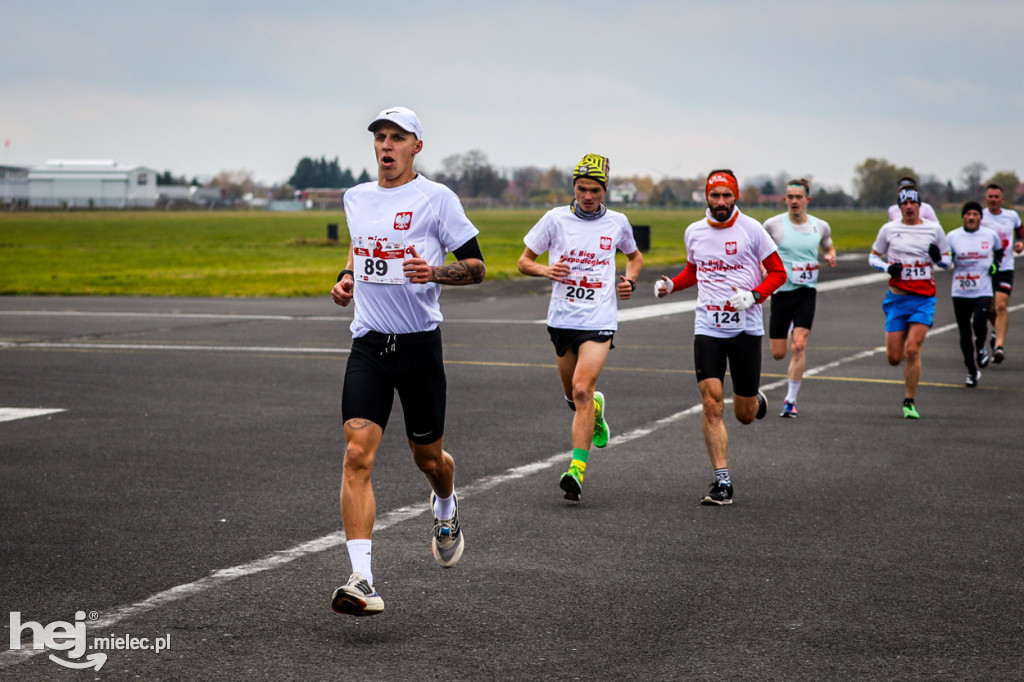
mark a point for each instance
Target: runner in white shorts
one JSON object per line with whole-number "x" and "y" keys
{"x": 401, "y": 226}
{"x": 1006, "y": 223}
{"x": 581, "y": 240}
{"x": 975, "y": 250}
{"x": 725, "y": 253}
{"x": 913, "y": 247}
{"x": 799, "y": 235}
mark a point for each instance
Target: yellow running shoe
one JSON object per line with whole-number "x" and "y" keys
{"x": 572, "y": 481}
{"x": 601, "y": 431}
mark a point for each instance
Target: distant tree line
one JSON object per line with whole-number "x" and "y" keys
{"x": 323, "y": 173}
{"x": 479, "y": 183}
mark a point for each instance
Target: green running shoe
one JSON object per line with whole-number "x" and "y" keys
{"x": 601, "y": 431}
{"x": 572, "y": 482}
{"x": 909, "y": 410}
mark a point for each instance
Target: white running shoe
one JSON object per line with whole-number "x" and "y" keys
{"x": 446, "y": 540}
{"x": 357, "y": 597}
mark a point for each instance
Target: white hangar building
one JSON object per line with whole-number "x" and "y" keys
{"x": 91, "y": 184}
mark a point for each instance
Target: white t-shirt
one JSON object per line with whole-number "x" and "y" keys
{"x": 972, "y": 258}
{"x": 926, "y": 213}
{"x": 588, "y": 246}
{"x": 908, "y": 245}
{"x": 727, "y": 257}
{"x": 384, "y": 223}
{"x": 1002, "y": 224}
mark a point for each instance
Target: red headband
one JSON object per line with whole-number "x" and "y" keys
{"x": 722, "y": 180}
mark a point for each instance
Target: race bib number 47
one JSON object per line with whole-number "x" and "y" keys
{"x": 378, "y": 261}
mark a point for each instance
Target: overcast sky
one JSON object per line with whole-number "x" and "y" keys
{"x": 660, "y": 87}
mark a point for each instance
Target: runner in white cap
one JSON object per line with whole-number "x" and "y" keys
{"x": 799, "y": 235}
{"x": 913, "y": 247}
{"x": 975, "y": 251}
{"x": 726, "y": 251}
{"x": 581, "y": 240}
{"x": 401, "y": 226}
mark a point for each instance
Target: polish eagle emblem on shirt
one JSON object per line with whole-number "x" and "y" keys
{"x": 403, "y": 221}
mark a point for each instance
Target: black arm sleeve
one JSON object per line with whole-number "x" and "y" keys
{"x": 470, "y": 249}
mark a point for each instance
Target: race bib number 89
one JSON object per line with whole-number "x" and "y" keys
{"x": 378, "y": 261}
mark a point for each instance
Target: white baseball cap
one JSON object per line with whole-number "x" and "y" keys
{"x": 402, "y": 117}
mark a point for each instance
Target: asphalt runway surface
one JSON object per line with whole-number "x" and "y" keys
{"x": 187, "y": 492}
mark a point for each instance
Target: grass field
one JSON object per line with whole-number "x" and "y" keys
{"x": 140, "y": 253}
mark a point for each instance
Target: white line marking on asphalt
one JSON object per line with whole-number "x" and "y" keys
{"x": 385, "y": 521}
{"x": 662, "y": 309}
{"x": 197, "y": 316}
{"x": 216, "y": 579}
{"x": 168, "y": 346}
{"x": 9, "y": 414}
{"x": 625, "y": 315}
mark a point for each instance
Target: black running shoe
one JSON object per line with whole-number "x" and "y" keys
{"x": 718, "y": 495}
{"x": 972, "y": 380}
{"x": 983, "y": 358}
{"x": 762, "y": 405}
{"x": 998, "y": 355}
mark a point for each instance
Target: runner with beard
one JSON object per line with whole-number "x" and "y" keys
{"x": 726, "y": 251}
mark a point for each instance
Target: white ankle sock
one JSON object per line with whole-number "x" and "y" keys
{"x": 794, "y": 388}
{"x": 359, "y": 553}
{"x": 444, "y": 507}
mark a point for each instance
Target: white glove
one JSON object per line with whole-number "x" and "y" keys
{"x": 742, "y": 300}
{"x": 663, "y": 285}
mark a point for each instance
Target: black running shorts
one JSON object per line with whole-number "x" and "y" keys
{"x": 1002, "y": 281}
{"x": 412, "y": 364}
{"x": 743, "y": 355}
{"x": 794, "y": 308}
{"x": 571, "y": 339}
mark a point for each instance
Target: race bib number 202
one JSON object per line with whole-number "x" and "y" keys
{"x": 583, "y": 291}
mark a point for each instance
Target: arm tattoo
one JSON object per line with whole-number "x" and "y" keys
{"x": 469, "y": 271}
